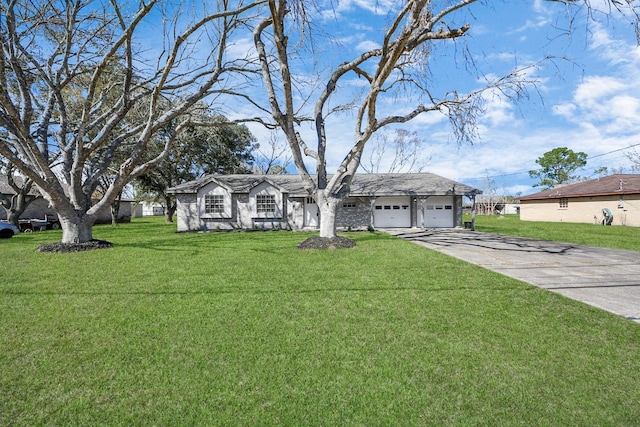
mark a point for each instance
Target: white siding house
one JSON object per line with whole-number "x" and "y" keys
{"x": 225, "y": 202}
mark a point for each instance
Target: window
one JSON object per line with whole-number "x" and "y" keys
{"x": 213, "y": 204}
{"x": 265, "y": 203}
{"x": 349, "y": 205}
{"x": 564, "y": 203}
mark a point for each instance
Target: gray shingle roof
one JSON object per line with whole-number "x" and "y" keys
{"x": 5, "y": 188}
{"x": 411, "y": 184}
{"x": 618, "y": 184}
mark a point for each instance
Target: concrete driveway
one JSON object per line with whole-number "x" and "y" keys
{"x": 605, "y": 278}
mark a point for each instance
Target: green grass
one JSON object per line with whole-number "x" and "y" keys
{"x": 616, "y": 237}
{"x": 244, "y": 329}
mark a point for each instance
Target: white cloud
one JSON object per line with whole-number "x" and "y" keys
{"x": 566, "y": 110}
{"x": 379, "y": 7}
{"x": 533, "y": 24}
{"x": 596, "y": 88}
{"x": 367, "y": 45}
{"x": 498, "y": 110}
{"x": 610, "y": 103}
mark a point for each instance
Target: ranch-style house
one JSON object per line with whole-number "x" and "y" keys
{"x": 225, "y": 202}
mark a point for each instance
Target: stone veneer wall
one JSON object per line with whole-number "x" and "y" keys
{"x": 357, "y": 217}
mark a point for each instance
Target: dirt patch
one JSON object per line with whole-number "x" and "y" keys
{"x": 60, "y": 247}
{"x": 327, "y": 243}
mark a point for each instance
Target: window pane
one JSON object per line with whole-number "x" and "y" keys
{"x": 265, "y": 203}
{"x": 213, "y": 203}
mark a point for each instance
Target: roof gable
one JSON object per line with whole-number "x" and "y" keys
{"x": 265, "y": 180}
{"x": 617, "y": 184}
{"x": 195, "y": 185}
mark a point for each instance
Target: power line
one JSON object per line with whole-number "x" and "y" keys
{"x": 523, "y": 172}
{"x": 614, "y": 151}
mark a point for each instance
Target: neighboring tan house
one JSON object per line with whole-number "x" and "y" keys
{"x": 587, "y": 201}
{"x": 39, "y": 208}
{"x": 224, "y": 202}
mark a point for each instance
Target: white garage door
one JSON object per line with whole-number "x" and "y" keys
{"x": 438, "y": 212}
{"x": 391, "y": 212}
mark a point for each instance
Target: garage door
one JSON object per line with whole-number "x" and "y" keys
{"x": 391, "y": 212}
{"x": 438, "y": 212}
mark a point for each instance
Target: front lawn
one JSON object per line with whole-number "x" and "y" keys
{"x": 245, "y": 329}
{"x": 616, "y": 236}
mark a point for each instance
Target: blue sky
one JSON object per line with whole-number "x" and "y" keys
{"x": 586, "y": 99}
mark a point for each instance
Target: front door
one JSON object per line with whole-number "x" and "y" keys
{"x": 310, "y": 213}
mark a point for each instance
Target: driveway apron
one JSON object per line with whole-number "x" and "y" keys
{"x": 605, "y": 278}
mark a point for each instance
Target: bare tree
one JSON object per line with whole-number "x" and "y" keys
{"x": 488, "y": 202}
{"x": 76, "y": 88}
{"x": 384, "y": 71}
{"x": 634, "y": 157}
{"x": 273, "y": 157}
{"x": 397, "y": 154}
{"x": 400, "y": 66}
{"x": 23, "y": 193}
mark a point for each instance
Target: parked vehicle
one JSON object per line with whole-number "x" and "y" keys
{"x": 7, "y": 230}
{"x": 34, "y": 224}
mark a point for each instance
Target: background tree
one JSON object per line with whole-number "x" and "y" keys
{"x": 558, "y": 166}
{"x": 221, "y": 148}
{"x": 490, "y": 201}
{"x": 272, "y": 157}
{"x": 396, "y": 152}
{"x": 634, "y": 157}
{"x": 24, "y": 193}
{"x": 74, "y": 83}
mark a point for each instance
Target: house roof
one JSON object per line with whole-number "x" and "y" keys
{"x": 410, "y": 184}
{"x": 5, "y": 188}
{"x": 618, "y": 184}
{"x": 242, "y": 183}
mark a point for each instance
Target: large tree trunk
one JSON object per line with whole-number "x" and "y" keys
{"x": 170, "y": 208}
{"x": 13, "y": 217}
{"x": 115, "y": 209}
{"x": 76, "y": 227}
{"x": 15, "y": 206}
{"x": 328, "y": 207}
